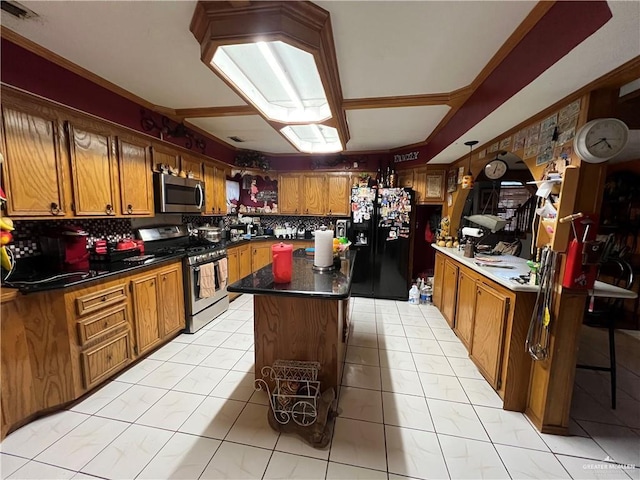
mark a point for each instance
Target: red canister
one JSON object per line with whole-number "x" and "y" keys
{"x": 282, "y": 254}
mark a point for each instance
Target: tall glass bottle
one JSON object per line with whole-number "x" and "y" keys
{"x": 393, "y": 178}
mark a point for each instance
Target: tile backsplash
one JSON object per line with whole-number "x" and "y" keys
{"x": 27, "y": 233}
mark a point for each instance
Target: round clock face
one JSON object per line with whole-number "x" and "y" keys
{"x": 601, "y": 139}
{"x": 495, "y": 169}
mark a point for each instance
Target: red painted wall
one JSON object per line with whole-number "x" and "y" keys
{"x": 33, "y": 73}
{"x": 565, "y": 26}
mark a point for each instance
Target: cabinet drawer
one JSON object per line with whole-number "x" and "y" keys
{"x": 101, "y": 323}
{"x": 101, "y": 299}
{"x": 106, "y": 358}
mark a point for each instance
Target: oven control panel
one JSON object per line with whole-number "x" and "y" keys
{"x": 206, "y": 256}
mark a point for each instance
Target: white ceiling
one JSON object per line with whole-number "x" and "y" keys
{"x": 384, "y": 48}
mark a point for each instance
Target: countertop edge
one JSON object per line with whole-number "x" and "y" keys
{"x": 485, "y": 272}
{"x": 295, "y": 293}
{"x": 156, "y": 262}
{"x": 291, "y": 293}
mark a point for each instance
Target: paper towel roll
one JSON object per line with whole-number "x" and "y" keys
{"x": 323, "y": 256}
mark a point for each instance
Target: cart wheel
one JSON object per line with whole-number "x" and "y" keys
{"x": 304, "y": 413}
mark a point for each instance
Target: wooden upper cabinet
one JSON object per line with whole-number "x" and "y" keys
{"x": 314, "y": 194}
{"x": 164, "y": 155}
{"x": 136, "y": 181}
{"x": 420, "y": 184}
{"x": 220, "y": 190}
{"x": 92, "y": 170}
{"x": 338, "y": 193}
{"x": 290, "y": 193}
{"x": 215, "y": 189}
{"x": 33, "y": 168}
{"x": 209, "y": 189}
{"x": 193, "y": 165}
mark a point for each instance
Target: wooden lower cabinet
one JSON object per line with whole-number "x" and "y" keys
{"x": 58, "y": 345}
{"x": 171, "y": 301}
{"x": 101, "y": 361}
{"x": 449, "y": 290}
{"x": 158, "y": 306}
{"x": 233, "y": 269}
{"x": 491, "y": 309}
{"x": 260, "y": 256}
{"x": 244, "y": 260}
{"x": 492, "y": 323}
{"x": 145, "y": 313}
{"x": 465, "y": 308}
{"x": 438, "y": 279}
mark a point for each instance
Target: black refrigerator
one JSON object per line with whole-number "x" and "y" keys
{"x": 381, "y": 233}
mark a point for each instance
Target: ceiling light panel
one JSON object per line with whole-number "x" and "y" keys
{"x": 282, "y": 81}
{"x": 313, "y": 138}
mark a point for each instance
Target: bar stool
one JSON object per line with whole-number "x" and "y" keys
{"x": 604, "y": 312}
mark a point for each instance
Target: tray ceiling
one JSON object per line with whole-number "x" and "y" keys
{"x": 383, "y": 48}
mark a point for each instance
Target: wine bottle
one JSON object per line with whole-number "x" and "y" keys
{"x": 393, "y": 178}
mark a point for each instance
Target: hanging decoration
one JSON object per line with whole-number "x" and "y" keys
{"x": 252, "y": 159}
{"x": 467, "y": 180}
{"x": 170, "y": 129}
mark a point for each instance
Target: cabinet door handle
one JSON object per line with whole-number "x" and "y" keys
{"x": 129, "y": 209}
{"x": 164, "y": 279}
{"x": 109, "y": 209}
{"x": 55, "y": 210}
{"x": 103, "y": 299}
{"x": 106, "y": 324}
{"x": 109, "y": 357}
{"x": 152, "y": 284}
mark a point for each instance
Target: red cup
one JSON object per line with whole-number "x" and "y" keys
{"x": 282, "y": 254}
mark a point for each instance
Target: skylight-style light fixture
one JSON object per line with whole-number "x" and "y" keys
{"x": 279, "y": 56}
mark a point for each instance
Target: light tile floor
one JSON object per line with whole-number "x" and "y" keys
{"x": 412, "y": 406}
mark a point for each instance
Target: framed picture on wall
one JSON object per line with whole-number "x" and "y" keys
{"x": 435, "y": 186}
{"x": 452, "y": 181}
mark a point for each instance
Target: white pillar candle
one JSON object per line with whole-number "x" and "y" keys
{"x": 323, "y": 256}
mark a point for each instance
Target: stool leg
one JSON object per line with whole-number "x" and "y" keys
{"x": 612, "y": 359}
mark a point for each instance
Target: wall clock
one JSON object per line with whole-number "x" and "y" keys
{"x": 601, "y": 139}
{"x": 495, "y": 169}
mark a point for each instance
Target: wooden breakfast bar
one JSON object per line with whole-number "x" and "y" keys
{"x": 490, "y": 314}
{"x": 305, "y": 319}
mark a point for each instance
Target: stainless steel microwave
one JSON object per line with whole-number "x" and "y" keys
{"x": 177, "y": 194}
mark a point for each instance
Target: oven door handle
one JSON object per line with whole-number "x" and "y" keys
{"x": 199, "y": 196}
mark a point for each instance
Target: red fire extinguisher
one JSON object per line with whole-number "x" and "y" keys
{"x": 583, "y": 253}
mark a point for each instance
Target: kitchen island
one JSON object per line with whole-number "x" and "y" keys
{"x": 305, "y": 319}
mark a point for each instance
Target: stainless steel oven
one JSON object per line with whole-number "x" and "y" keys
{"x": 201, "y": 309}
{"x": 177, "y": 194}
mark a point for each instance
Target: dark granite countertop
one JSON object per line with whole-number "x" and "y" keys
{"x": 30, "y": 278}
{"x": 334, "y": 285}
